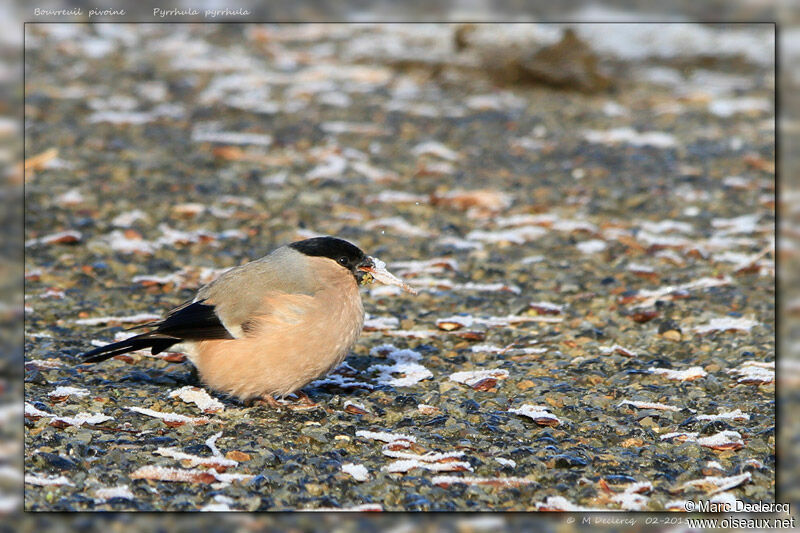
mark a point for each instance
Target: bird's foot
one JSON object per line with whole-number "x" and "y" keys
{"x": 267, "y": 399}
{"x": 303, "y": 402}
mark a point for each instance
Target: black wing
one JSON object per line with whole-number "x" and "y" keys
{"x": 190, "y": 321}
{"x": 193, "y": 321}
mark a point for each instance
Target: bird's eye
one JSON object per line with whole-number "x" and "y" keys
{"x": 342, "y": 261}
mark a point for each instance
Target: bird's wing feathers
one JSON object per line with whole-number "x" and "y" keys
{"x": 278, "y": 284}
{"x": 195, "y": 321}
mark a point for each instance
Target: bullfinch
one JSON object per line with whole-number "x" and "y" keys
{"x": 269, "y": 327}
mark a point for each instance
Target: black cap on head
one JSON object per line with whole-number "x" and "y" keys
{"x": 344, "y": 253}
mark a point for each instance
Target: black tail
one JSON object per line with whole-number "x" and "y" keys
{"x": 156, "y": 343}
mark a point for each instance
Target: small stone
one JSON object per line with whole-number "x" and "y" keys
{"x": 237, "y": 456}
{"x": 647, "y": 422}
{"x": 672, "y": 335}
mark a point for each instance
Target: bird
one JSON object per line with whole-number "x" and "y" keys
{"x": 269, "y": 327}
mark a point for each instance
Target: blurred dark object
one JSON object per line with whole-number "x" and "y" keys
{"x": 568, "y": 64}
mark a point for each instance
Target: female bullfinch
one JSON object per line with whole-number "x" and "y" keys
{"x": 271, "y": 326}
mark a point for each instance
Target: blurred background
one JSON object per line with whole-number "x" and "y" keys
{"x": 541, "y": 57}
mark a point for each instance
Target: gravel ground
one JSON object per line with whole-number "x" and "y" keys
{"x": 595, "y": 323}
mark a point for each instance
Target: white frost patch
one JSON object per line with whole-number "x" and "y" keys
{"x": 405, "y": 465}
{"x": 127, "y": 219}
{"x": 721, "y": 439}
{"x": 405, "y": 362}
{"x": 107, "y": 493}
{"x": 731, "y": 415}
{"x": 755, "y": 372}
{"x": 344, "y": 382}
{"x": 719, "y": 484}
{"x": 211, "y": 443}
{"x": 118, "y": 336}
{"x": 531, "y": 259}
{"x": 641, "y": 269}
{"x": 591, "y": 246}
{"x": 670, "y": 255}
{"x": 737, "y": 225}
{"x": 560, "y": 503}
{"x": 435, "y": 149}
{"x": 119, "y": 242}
{"x": 199, "y": 397}
{"x": 131, "y": 319}
{"x": 62, "y": 392}
{"x": 515, "y": 236}
{"x": 32, "y": 411}
{"x": 397, "y": 197}
{"x": 374, "y": 173}
{"x": 570, "y": 226}
{"x": 506, "y": 462}
{"x": 381, "y": 323}
{"x": 221, "y": 503}
{"x": 726, "y": 107}
{"x": 412, "y": 333}
{"x": 648, "y": 405}
{"x": 531, "y": 350}
{"x": 495, "y": 101}
{"x": 332, "y": 168}
{"x": 621, "y": 350}
{"x": 689, "y": 374}
{"x": 71, "y": 197}
{"x": 56, "y": 294}
{"x": 356, "y": 405}
{"x": 486, "y": 287}
{"x": 83, "y": 418}
{"x": 544, "y": 219}
{"x": 363, "y": 508}
{"x": 358, "y": 472}
{"x": 630, "y": 136}
{"x": 470, "y": 480}
{"x": 384, "y": 436}
{"x": 662, "y": 241}
{"x": 471, "y": 377}
{"x": 547, "y": 308}
{"x": 681, "y": 436}
{"x": 42, "y": 481}
{"x": 397, "y": 225}
{"x": 647, "y": 298}
{"x": 666, "y": 226}
{"x": 437, "y": 265}
{"x": 535, "y": 413}
{"x": 169, "y": 417}
{"x": 358, "y": 128}
{"x": 455, "y": 322}
{"x": 10, "y": 473}
{"x": 426, "y": 409}
{"x": 62, "y": 236}
{"x": 161, "y": 473}
{"x": 633, "y": 499}
{"x": 195, "y": 460}
{"x": 430, "y": 457}
{"x": 203, "y": 134}
{"x": 9, "y": 412}
{"x": 488, "y": 348}
{"x": 727, "y": 498}
{"x": 459, "y": 243}
{"x": 726, "y": 324}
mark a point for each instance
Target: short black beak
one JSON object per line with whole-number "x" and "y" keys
{"x": 363, "y": 268}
